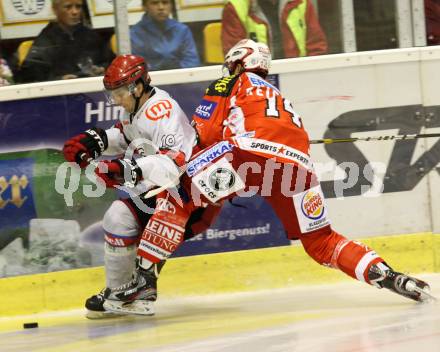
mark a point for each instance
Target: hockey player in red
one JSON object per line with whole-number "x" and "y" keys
{"x": 253, "y": 142}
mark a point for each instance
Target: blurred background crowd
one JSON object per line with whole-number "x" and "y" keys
{"x": 43, "y": 40}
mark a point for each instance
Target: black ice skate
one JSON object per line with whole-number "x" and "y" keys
{"x": 138, "y": 295}
{"x": 381, "y": 276}
{"x": 95, "y": 306}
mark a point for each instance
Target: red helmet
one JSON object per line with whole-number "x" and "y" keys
{"x": 126, "y": 69}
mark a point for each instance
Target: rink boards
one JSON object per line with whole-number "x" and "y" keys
{"x": 257, "y": 269}
{"x": 373, "y": 189}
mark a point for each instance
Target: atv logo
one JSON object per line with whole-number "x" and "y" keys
{"x": 205, "y": 109}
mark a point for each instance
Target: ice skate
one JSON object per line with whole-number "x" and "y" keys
{"x": 137, "y": 307}
{"x": 95, "y": 306}
{"x": 138, "y": 295}
{"x": 381, "y": 276}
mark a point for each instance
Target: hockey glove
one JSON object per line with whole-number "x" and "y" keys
{"x": 87, "y": 145}
{"x": 119, "y": 172}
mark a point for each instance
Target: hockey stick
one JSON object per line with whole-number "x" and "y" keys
{"x": 374, "y": 138}
{"x": 156, "y": 191}
{"x": 160, "y": 189}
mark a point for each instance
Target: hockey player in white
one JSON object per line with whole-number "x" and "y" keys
{"x": 158, "y": 130}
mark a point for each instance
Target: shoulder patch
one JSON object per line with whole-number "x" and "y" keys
{"x": 222, "y": 87}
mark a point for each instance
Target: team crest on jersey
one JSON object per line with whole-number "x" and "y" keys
{"x": 221, "y": 179}
{"x": 222, "y": 87}
{"x": 159, "y": 110}
{"x": 205, "y": 109}
{"x": 218, "y": 180}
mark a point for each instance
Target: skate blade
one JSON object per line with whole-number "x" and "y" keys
{"x": 138, "y": 307}
{"x": 93, "y": 315}
{"x": 425, "y": 296}
{"x": 425, "y": 292}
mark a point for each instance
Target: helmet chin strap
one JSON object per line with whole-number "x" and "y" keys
{"x": 136, "y": 106}
{"x": 137, "y": 100}
{"x": 238, "y": 68}
{"x": 230, "y": 70}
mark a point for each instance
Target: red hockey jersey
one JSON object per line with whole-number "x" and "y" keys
{"x": 251, "y": 113}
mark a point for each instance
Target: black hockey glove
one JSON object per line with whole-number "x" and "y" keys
{"x": 87, "y": 145}
{"x": 119, "y": 172}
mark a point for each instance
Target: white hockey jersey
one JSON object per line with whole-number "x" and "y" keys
{"x": 159, "y": 125}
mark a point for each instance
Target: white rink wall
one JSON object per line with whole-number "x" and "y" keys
{"x": 399, "y": 85}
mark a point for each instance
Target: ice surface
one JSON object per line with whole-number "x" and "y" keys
{"x": 345, "y": 317}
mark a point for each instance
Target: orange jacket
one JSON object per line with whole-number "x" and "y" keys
{"x": 316, "y": 43}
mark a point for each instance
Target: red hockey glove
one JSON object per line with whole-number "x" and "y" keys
{"x": 87, "y": 145}
{"x": 119, "y": 172}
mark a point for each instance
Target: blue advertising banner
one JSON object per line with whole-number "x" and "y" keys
{"x": 246, "y": 223}
{"x": 33, "y": 131}
{"x": 16, "y": 193}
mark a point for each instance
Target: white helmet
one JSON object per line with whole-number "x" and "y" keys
{"x": 253, "y": 56}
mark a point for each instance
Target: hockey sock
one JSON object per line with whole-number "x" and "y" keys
{"x": 119, "y": 263}
{"x": 336, "y": 251}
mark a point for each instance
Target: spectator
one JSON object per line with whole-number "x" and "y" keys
{"x": 432, "y": 15}
{"x": 163, "y": 42}
{"x": 290, "y": 28}
{"x": 5, "y": 73}
{"x": 65, "y": 48}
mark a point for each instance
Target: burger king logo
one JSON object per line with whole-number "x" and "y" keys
{"x": 312, "y": 205}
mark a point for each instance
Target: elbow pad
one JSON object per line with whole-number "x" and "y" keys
{"x": 158, "y": 170}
